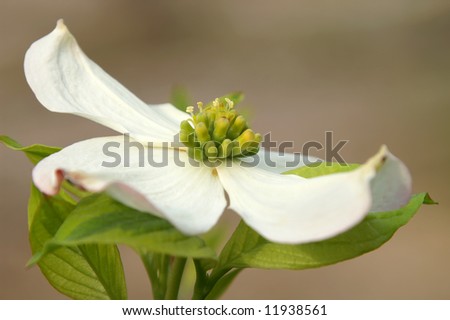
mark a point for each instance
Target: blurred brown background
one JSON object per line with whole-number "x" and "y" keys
{"x": 373, "y": 72}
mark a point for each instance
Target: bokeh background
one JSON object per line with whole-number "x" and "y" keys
{"x": 372, "y": 72}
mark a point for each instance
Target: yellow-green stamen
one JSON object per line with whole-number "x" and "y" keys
{"x": 217, "y": 131}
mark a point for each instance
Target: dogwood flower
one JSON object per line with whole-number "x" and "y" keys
{"x": 281, "y": 207}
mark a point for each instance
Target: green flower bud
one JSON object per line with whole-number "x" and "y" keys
{"x": 186, "y": 126}
{"x": 201, "y": 117}
{"x": 201, "y": 131}
{"x": 197, "y": 154}
{"x": 246, "y": 137}
{"x": 211, "y": 116}
{"x": 187, "y": 139}
{"x": 225, "y": 148}
{"x": 210, "y": 150}
{"x": 237, "y": 127}
{"x": 220, "y": 129}
{"x": 231, "y": 115}
{"x": 248, "y": 143}
{"x": 187, "y": 135}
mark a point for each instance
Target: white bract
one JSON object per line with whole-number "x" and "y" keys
{"x": 282, "y": 208}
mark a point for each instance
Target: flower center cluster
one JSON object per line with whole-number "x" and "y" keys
{"x": 217, "y": 131}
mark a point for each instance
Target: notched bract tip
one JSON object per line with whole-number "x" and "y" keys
{"x": 60, "y": 24}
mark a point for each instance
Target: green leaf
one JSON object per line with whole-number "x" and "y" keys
{"x": 34, "y": 201}
{"x": 180, "y": 98}
{"x": 248, "y": 249}
{"x": 100, "y": 219}
{"x": 80, "y": 272}
{"x": 428, "y": 200}
{"x": 222, "y": 285}
{"x": 321, "y": 169}
{"x": 35, "y": 152}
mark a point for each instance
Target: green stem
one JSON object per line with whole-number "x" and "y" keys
{"x": 174, "y": 279}
{"x": 205, "y": 283}
{"x": 157, "y": 267}
{"x": 201, "y": 281}
{"x": 163, "y": 269}
{"x": 220, "y": 285}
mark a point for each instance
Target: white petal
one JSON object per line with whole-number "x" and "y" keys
{"x": 65, "y": 80}
{"x": 192, "y": 198}
{"x": 279, "y": 162}
{"x": 392, "y": 186}
{"x": 290, "y": 209}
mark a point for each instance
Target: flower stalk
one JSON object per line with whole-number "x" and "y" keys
{"x": 174, "y": 279}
